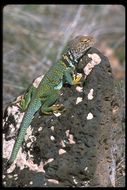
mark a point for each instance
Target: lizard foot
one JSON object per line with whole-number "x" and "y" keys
{"x": 58, "y": 108}
{"x": 77, "y": 79}
{"x": 53, "y": 109}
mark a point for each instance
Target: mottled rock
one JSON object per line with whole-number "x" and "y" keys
{"x": 73, "y": 148}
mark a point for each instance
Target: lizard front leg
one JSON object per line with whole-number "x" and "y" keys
{"x": 48, "y": 103}
{"x": 71, "y": 78}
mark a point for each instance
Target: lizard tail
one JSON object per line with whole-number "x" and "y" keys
{"x": 24, "y": 125}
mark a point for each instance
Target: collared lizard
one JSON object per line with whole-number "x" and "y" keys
{"x": 47, "y": 93}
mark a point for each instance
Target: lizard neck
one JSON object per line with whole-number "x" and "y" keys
{"x": 69, "y": 59}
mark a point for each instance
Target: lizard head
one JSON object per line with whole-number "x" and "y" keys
{"x": 79, "y": 45}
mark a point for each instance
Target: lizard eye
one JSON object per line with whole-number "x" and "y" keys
{"x": 86, "y": 40}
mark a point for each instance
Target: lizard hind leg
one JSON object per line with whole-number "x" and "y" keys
{"x": 27, "y": 98}
{"x": 49, "y": 106}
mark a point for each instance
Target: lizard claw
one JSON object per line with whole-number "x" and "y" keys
{"x": 58, "y": 107}
{"x": 77, "y": 79}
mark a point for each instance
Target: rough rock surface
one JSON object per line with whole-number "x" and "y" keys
{"x": 73, "y": 148}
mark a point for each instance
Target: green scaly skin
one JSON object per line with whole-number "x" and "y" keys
{"x": 48, "y": 91}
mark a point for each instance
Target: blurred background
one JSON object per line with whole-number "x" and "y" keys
{"x": 34, "y": 37}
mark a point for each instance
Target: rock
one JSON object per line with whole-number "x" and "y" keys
{"x": 72, "y": 148}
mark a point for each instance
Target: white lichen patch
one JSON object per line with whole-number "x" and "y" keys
{"x": 29, "y": 154}
{"x": 19, "y": 119}
{"x": 115, "y": 109}
{"x": 14, "y": 112}
{"x": 57, "y": 114}
{"x": 86, "y": 168}
{"x": 89, "y": 116}
{"x": 95, "y": 61}
{"x": 40, "y": 129}
{"x": 28, "y": 132}
{"x": 70, "y": 137}
{"x": 18, "y": 116}
{"x": 53, "y": 181}
{"x": 35, "y": 167}
{"x": 67, "y": 133}
{"x": 11, "y": 169}
{"x": 85, "y": 183}
{"x": 79, "y": 88}
{"x": 29, "y": 136}
{"x": 62, "y": 143}
{"x": 88, "y": 68}
{"x": 12, "y": 128}
{"x": 48, "y": 161}
{"x": 28, "y": 145}
{"x": 52, "y": 138}
{"x": 52, "y": 128}
{"x": 3, "y": 176}
{"x": 90, "y": 95}
{"x": 74, "y": 180}
{"x": 61, "y": 151}
{"x": 32, "y": 166}
{"x": 16, "y": 178}
{"x": 78, "y": 100}
{"x": 37, "y": 81}
{"x": 45, "y": 184}
{"x": 7, "y": 147}
{"x": 21, "y": 161}
{"x": 95, "y": 57}
{"x": 10, "y": 176}
{"x": 31, "y": 182}
{"x": 15, "y": 175}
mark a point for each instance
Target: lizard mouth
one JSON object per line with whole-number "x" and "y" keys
{"x": 84, "y": 53}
